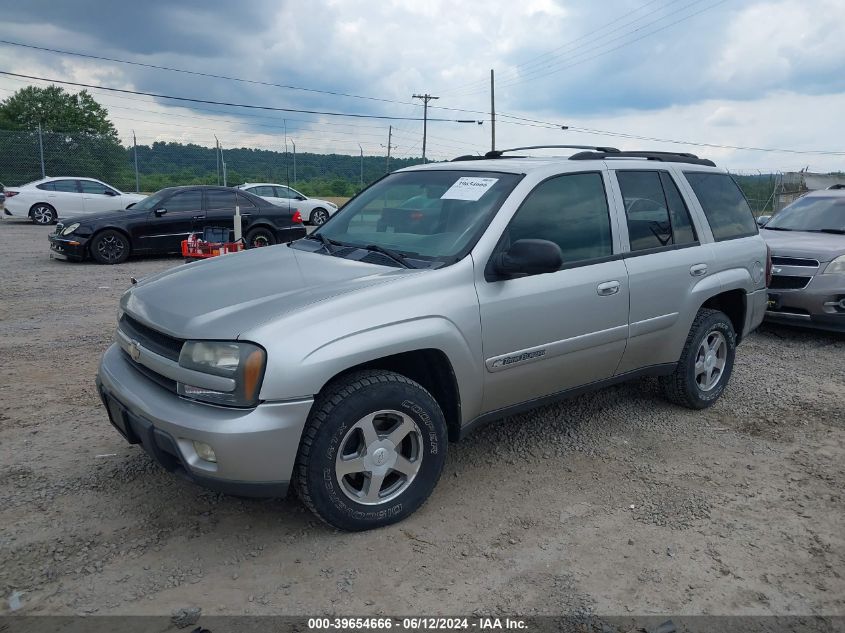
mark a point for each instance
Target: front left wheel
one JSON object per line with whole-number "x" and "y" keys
{"x": 110, "y": 247}
{"x": 371, "y": 452}
{"x": 319, "y": 217}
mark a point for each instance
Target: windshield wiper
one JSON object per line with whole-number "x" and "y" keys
{"x": 327, "y": 242}
{"x": 399, "y": 258}
{"x": 775, "y": 228}
{"x": 834, "y": 231}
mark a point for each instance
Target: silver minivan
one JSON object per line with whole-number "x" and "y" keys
{"x": 441, "y": 297}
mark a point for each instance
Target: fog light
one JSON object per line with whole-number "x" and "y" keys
{"x": 205, "y": 452}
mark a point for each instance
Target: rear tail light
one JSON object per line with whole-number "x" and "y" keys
{"x": 10, "y": 194}
{"x": 297, "y": 217}
{"x": 768, "y": 266}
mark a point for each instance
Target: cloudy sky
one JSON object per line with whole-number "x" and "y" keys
{"x": 764, "y": 74}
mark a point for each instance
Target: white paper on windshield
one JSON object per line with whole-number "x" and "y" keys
{"x": 469, "y": 188}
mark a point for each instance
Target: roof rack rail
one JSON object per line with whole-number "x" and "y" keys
{"x": 666, "y": 157}
{"x": 498, "y": 153}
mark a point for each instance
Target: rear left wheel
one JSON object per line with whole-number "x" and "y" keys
{"x": 259, "y": 237}
{"x": 372, "y": 451}
{"x": 43, "y": 214}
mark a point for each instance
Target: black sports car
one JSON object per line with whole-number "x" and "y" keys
{"x": 157, "y": 224}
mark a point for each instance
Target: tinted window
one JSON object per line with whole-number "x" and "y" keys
{"x": 682, "y": 229}
{"x": 89, "y": 186}
{"x": 68, "y": 186}
{"x": 221, "y": 199}
{"x": 46, "y": 186}
{"x": 569, "y": 210}
{"x": 284, "y": 192}
{"x": 245, "y": 203}
{"x": 264, "y": 192}
{"x": 724, "y": 205}
{"x": 184, "y": 201}
{"x": 656, "y": 213}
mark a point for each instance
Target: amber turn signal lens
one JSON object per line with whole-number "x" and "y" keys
{"x": 253, "y": 368}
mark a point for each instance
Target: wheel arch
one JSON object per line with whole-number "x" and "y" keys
{"x": 429, "y": 367}
{"x": 36, "y": 204}
{"x": 734, "y": 303}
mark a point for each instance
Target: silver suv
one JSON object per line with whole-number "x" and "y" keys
{"x": 440, "y": 298}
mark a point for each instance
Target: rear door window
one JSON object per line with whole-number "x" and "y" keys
{"x": 220, "y": 199}
{"x": 656, "y": 214}
{"x": 724, "y": 205}
{"x": 68, "y": 186}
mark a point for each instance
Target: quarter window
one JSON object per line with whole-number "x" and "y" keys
{"x": 284, "y": 192}
{"x": 569, "y": 210}
{"x": 244, "y": 202}
{"x": 724, "y": 205}
{"x": 656, "y": 213}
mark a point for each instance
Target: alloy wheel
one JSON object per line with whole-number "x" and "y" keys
{"x": 320, "y": 217}
{"x": 111, "y": 248}
{"x": 42, "y": 214}
{"x": 710, "y": 360}
{"x": 379, "y": 457}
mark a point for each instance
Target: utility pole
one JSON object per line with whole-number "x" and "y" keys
{"x": 41, "y": 151}
{"x": 287, "y": 169}
{"x": 294, "y": 160}
{"x": 362, "y": 165}
{"x": 492, "y": 112}
{"x": 135, "y": 148}
{"x": 389, "y": 138}
{"x": 425, "y": 98}
{"x": 217, "y": 154}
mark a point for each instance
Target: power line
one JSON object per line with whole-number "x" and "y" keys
{"x": 225, "y": 103}
{"x": 534, "y": 60}
{"x": 556, "y": 68}
{"x": 201, "y": 74}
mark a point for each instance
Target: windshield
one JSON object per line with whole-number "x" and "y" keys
{"x": 422, "y": 214}
{"x": 811, "y": 214}
{"x": 150, "y": 202}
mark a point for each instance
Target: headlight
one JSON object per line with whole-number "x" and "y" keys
{"x": 836, "y": 266}
{"x": 243, "y": 362}
{"x": 70, "y": 229}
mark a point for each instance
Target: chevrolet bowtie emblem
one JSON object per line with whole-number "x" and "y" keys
{"x": 134, "y": 350}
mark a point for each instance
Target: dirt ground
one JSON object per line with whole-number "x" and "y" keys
{"x": 612, "y": 503}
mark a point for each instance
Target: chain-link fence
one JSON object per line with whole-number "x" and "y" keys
{"x": 29, "y": 155}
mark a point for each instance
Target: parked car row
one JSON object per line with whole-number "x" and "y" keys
{"x": 48, "y": 200}
{"x": 158, "y": 223}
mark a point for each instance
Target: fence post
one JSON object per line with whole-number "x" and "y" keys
{"x": 41, "y": 151}
{"x": 137, "y": 178}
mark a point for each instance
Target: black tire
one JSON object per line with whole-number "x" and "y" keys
{"x": 342, "y": 406}
{"x": 260, "y": 237}
{"x": 319, "y": 216}
{"x": 683, "y": 386}
{"x": 110, "y": 247}
{"x": 43, "y": 214}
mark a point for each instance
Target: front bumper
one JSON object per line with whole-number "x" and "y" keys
{"x": 255, "y": 448}
{"x": 818, "y": 306}
{"x": 73, "y": 248}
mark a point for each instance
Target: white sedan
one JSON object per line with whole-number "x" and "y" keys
{"x": 45, "y": 201}
{"x": 313, "y": 210}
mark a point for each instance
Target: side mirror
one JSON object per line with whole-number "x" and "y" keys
{"x": 763, "y": 220}
{"x": 109, "y": 192}
{"x": 160, "y": 212}
{"x": 528, "y": 257}
{"x": 300, "y": 198}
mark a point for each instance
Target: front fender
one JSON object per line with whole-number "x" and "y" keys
{"x": 328, "y": 360}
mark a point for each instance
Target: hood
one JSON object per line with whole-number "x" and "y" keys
{"x": 117, "y": 214}
{"x": 821, "y": 246}
{"x": 222, "y": 297}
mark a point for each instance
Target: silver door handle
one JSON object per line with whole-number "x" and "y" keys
{"x": 607, "y": 288}
{"x": 698, "y": 270}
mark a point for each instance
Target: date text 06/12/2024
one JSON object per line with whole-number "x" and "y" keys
{"x": 416, "y": 623}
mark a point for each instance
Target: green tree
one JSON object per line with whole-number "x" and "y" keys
{"x": 56, "y": 111}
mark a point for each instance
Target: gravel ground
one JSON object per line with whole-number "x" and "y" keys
{"x": 612, "y": 503}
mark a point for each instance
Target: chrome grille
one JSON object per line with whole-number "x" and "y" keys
{"x": 155, "y": 341}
